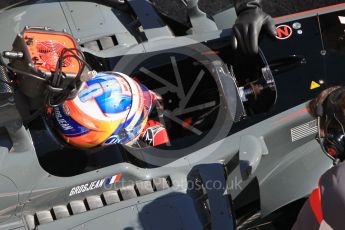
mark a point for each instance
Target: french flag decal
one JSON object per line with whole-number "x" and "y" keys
{"x": 113, "y": 179}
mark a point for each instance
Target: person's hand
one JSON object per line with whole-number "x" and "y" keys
{"x": 247, "y": 29}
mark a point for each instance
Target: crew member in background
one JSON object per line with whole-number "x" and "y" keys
{"x": 176, "y": 10}
{"x": 325, "y": 207}
{"x": 251, "y": 19}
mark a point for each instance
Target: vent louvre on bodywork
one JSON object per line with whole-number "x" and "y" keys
{"x": 75, "y": 207}
{"x": 101, "y": 44}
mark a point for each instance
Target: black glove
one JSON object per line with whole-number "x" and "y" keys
{"x": 251, "y": 19}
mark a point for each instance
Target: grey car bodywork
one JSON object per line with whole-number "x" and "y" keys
{"x": 30, "y": 197}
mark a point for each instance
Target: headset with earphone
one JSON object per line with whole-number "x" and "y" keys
{"x": 332, "y": 142}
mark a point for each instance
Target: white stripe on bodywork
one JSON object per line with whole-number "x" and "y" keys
{"x": 113, "y": 179}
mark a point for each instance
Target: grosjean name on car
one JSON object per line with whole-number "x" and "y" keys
{"x": 95, "y": 185}
{"x": 86, "y": 187}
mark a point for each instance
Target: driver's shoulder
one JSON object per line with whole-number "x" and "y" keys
{"x": 334, "y": 176}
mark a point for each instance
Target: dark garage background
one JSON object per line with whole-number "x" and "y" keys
{"x": 274, "y": 7}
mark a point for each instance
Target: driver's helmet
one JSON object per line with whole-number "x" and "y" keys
{"x": 111, "y": 108}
